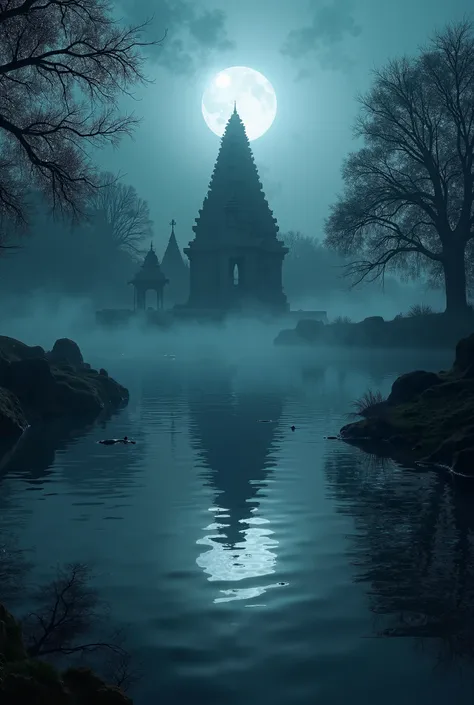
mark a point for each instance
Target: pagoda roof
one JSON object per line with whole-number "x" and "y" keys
{"x": 150, "y": 271}
{"x": 235, "y": 202}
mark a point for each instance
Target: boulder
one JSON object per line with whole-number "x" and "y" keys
{"x": 411, "y": 385}
{"x": 12, "y": 349}
{"x": 373, "y": 321}
{"x": 287, "y": 336}
{"x": 12, "y": 419}
{"x": 66, "y": 350}
{"x": 35, "y": 385}
{"x": 463, "y": 461}
{"x": 31, "y": 380}
{"x": 309, "y": 330}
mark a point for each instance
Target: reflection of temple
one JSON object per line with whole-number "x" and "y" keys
{"x": 236, "y": 451}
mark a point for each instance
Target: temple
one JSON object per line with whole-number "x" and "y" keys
{"x": 148, "y": 278}
{"x": 176, "y": 271}
{"x": 236, "y": 258}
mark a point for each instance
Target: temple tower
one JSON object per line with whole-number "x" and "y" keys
{"x": 149, "y": 277}
{"x": 236, "y": 258}
{"x": 176, "y": 271}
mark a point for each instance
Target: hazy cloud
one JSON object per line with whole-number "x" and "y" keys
{"x": 194, "y": 31}
{"x": 330, "y": 25}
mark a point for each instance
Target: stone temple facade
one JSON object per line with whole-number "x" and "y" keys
{"x": 236, "y": 258}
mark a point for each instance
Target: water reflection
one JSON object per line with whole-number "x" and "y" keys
{"x": 414, "y": 546}
{"x": 238, "y": 454}
{"x": 35, "y": 452}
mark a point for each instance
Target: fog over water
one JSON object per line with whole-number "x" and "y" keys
{"x": 246, "y": 560}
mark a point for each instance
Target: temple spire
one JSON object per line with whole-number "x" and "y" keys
{"x": 236, "y": 257}
{"x": 235, "y": 202}
{"x": 175, "y": 270}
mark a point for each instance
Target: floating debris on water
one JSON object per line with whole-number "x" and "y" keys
{"x": 112, "y": 441}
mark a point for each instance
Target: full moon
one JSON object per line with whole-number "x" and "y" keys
{"x": 251, "y": 91}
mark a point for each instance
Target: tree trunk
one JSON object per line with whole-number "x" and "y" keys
{"x": 454, "y": 266}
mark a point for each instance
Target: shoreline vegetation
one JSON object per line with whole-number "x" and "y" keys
{"x": 25, "y": 680}
{"x": 427, "y": 417}
{"x": 415, "y": 330}
{"x": 37, "y": 386}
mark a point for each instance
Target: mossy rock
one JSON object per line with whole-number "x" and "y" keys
{"x": 66, "y": 350}
{"x": 11, "y": 640}
{"x": 40, "y": 386}
{"x": 431, "y": 413}
{"x": 12, "y": 418}
{"x": 410, "y": 385}
{"x": 12, "y": 350}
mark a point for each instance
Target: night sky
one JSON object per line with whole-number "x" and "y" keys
{"x": 318, "y": 55}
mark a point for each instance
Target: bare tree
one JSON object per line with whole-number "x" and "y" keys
{"x": 68, "y": 608}
{"x": 117, "y": 208}
{"x": 63, "y": 65}
{"x": 408, "y": 201}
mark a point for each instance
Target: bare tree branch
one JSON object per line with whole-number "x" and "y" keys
{"x": 117, "y": 209}
{"x": 63, "y": 65}
{"x": 67, "y": 609}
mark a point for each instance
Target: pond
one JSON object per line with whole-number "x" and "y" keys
{"x": 250, "y": 562}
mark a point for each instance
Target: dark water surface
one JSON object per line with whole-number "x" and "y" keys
{"x": 256, "y": 564}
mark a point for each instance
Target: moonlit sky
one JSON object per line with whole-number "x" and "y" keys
{"x": 316, "y": 54}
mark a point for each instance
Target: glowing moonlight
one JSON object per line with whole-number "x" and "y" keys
{"x": 253, "y": 93}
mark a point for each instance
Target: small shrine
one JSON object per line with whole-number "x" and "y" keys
{"x": 148, "y": 278}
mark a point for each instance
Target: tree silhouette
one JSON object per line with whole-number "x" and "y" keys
{"x": 408, "y": 201}
{"x": 63, "y": 64}
{"x": 66, "y": 610}
{"x": 124, "y": 218}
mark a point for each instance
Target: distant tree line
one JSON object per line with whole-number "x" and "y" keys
{"x": 314, "y": 274}
{"x": 408, "y": 200}
{"x": 310, "y": 268}
{"x": 94, "y": 257}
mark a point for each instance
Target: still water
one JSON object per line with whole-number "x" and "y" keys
{"x": 254, "y": 563}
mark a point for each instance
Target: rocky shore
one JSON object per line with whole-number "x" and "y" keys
{"x": 36, "y": 385}
{"x": 435, "y": 330}
{"x": 427, "y": 416}
{"x": 27, "y": 681}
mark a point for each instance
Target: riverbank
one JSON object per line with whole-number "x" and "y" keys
{"x": 36, "y": 385}
{"x": 24, "y": 680}
{"x": 428, "y": 416}
{"x": 433, "y": 331}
